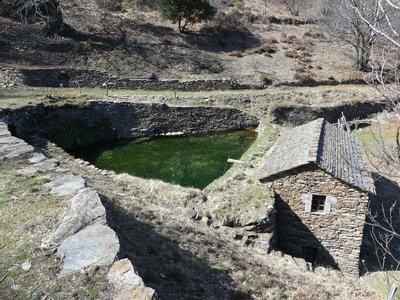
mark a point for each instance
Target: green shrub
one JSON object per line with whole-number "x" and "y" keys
{"x": 186, "y": 12}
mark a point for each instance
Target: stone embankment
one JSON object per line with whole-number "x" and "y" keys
{"x": 67, "y": 77}
{"x": 83, "y": 239}
{"x": 94, "y": 121}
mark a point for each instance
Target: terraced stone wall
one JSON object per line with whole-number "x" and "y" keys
{"x": 99, "y": 121}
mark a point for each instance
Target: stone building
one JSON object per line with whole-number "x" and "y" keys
{"x": 322, "y": 191}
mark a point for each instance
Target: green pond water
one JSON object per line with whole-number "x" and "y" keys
{"x": 192, "y": 161}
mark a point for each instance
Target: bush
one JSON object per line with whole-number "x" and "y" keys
{"x": 300, "y": 69}
{"x": 300, "y": 47}
{"x": 111, "y": 5}
{"x": 140, "y": 4}
{"x": 303, "y": 77}
{"x": 224, "y": 22}
{"x": 236, "y": 54}
{"x": 263, "y": 78}
{"x": 184, "y": 12}
{"x": 292, "y": 54}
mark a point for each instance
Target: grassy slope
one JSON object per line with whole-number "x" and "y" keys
{"x": 28, "y": 214}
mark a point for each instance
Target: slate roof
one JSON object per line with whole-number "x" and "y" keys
{"x": 323, "y": 144}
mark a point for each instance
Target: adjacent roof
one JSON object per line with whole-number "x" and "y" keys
{"x": 323, "y": 144}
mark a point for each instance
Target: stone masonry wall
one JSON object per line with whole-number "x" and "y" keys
{"x": 92, "y": 78}
{"x": 338, "y": 234}
{"x": 95, "y": 121}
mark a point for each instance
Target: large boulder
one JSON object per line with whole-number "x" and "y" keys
{"x": 128, "y": 285}
{"x": 86, "y": 209}
{"x": 96, "y": 245}
{"x": 66, "y": 186}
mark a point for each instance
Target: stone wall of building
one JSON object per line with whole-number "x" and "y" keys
{"x": 337, "y": 234}
{"x": 95, "y": 121}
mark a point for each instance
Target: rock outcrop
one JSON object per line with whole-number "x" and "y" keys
{"x": 96, "y": 245}
{"x": 128, "y": 285}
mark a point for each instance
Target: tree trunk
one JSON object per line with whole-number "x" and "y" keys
{"x": 54, "y": 24}
{"x": 362, "y": 58}
{"x": 179, "y": 25}
{"x": 182, "y": 25}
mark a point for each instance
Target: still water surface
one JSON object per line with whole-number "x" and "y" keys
{"x": 193, "y": 161}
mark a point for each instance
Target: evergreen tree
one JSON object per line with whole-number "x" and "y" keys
{"x": 184, "y": 12}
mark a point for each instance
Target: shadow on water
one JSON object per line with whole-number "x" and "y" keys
{"x": 173, "y": 272}
{"x": 378, "y": 242}
{"x": 296, "y": 239}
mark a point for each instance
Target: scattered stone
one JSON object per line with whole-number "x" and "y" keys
{"x": 7, "y": 148}
{"x": 128, "y": 285}
{"x": 96, "y": 245}
{"x": 20, "y": 153}
{"x": 45, "y": 166}
{"x": 86, "y": 209}
{"x": 15, "y": 287}
{"x": 37, "y": 158}
{"x": 301, "y": 263}
{"x": 67, "y": 185}
{"x": 43, "y": 247}
{"x": 26, "y": 266}
{"x": 9, "y": 140}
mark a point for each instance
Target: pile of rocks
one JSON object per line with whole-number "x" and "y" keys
{"x": 82, "y": 239}
{"x": 10, "y": 77}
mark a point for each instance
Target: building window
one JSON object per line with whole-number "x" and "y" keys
{"x": 318, "y": 203}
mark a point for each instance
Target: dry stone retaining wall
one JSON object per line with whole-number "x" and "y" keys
{"x": 92, "y": 78}
{"x": 102, "y": 120}
{"x": 301, "y": 114}
{"x": 337, "y": 234}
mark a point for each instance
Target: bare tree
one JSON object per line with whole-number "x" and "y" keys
{"x": 343, "y": 21}
{"x": 294, "y": 6}
{"x": 383, "y": 18}
{"x": 387, "y": 22}
{"x": 31, "y": 11}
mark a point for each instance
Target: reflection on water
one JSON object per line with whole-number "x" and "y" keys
{"x": 188, "y": 160}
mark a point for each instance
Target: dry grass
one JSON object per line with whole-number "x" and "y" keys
{"x": 236, "y": 54}
{"x": 159, "y": 237}
{"x": 28, "y": 214}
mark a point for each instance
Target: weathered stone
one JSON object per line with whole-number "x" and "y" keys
{"x": 67, "y": 185}
{"x": 86, "y": 209}
{"x": 96, "y": 245}
{"x": 333, "y": 233}
{"x": 45, "y": 166}
{"x": 9, "y": 140}
{"x": 37, "y": 158}
{"x": 20, "y": 153}
{"x": 26, "y": 266}
{"x": 128, "y": 285}
{"x": 126, "y": 120}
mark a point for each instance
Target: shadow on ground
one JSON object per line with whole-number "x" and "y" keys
{"x": 381, "y": 241}
{"x": 296, "y": 239}
{"x": 172, "y": 271}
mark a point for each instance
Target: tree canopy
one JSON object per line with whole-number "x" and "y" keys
{"x": 184, "y": 12}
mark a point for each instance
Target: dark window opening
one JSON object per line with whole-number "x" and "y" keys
{"x": 310, "y": 254}
{"x": 318, "y": 203}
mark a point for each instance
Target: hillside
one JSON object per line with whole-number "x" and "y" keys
{"x": 259, "y": 62}
{"x": 253, "y": 46}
